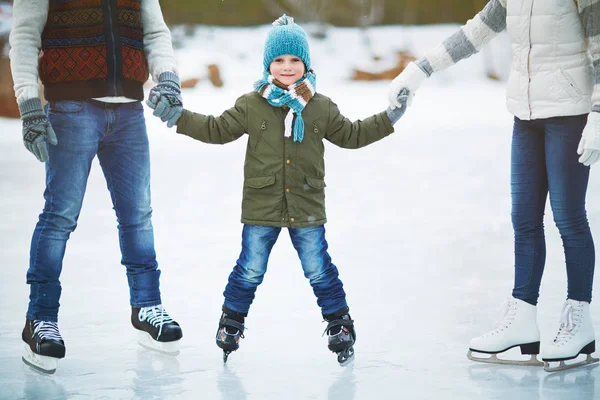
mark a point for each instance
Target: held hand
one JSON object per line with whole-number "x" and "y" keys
{"x": 395, "y": 114}
{"x": 36, "y": 129}
{"x": 165, "y": 98}
{"x": 589, "y": 145}
{"x": 409, "y": 79}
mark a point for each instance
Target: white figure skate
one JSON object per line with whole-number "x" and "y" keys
{"x": 575, "y": 336}
{"x": 517, "y": 328}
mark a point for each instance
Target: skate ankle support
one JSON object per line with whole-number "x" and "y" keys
{"x": 349, "y": 323}
{"x": 237, "y": 316}
{"x": 337, "y": 314}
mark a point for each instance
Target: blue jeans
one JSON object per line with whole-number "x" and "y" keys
{"x": 544, "y": 161}
{"x": 116, "y": 133}
{"x": 250, "y": 269}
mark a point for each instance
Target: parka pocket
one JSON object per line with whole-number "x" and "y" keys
{"x": 263, "y": 128}
{"x": 568, "y": 84}
{"x": 315, "y": 183}
{"x": 260, "y": 182}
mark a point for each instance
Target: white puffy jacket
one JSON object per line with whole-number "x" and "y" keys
{"x": 551, "y": 69}
{"x": 555, "y": 69}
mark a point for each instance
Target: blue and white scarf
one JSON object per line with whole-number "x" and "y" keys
{"x": 295, "y": 96}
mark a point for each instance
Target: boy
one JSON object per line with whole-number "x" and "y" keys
{"x": 286, "y": 122}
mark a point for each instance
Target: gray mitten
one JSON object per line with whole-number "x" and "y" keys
{"x": 394, "y": 114}
{"x": 36, "y": 128}
{"x": 165, "y": 98}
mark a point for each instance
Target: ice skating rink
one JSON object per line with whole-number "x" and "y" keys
{"x": 419, "y": 227}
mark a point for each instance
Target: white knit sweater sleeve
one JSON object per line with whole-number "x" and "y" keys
{"x": 468, "y": 40}
{"x": 157, "y": 40}
{"x": 29, "y": 20}
{"x": 589, "y": 11}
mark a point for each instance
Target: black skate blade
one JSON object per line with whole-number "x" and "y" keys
{"x": 562, "y": 366}
{"x": 493, "y": 359}
{"x": 225, "y": 356}
{"x": 37, "y": 368}
{"x": 346, "y": 357}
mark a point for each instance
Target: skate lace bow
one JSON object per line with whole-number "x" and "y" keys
{"x": 47, "y": 330}
{"x": 157, "y": 316}
{"x": 567, "y": 324}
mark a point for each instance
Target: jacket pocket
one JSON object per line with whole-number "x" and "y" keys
{"x": 263, "y": 128}
{"x": 315, "y": 183}
{"x": 260, "y": 181}
{"x": 568, "y": 84}
{"x": 65, "y": 106}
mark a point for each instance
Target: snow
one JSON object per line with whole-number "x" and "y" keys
{"x": 419, "y": 227}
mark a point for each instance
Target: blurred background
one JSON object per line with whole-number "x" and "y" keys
{"x": 335, "y": 12}
{"x": 193, "y": 20}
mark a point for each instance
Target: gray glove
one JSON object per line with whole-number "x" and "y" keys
{"x": 36, "y": 128}
{"x": 165, "y": 98}
{"x": 394, "y": 114}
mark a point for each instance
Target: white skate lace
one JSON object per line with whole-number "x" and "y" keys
{"x": 568, "y": 319}
{"x": 156, "y": 316}
{"x": 507, "y": 307}
{"x": 46, "y": 330}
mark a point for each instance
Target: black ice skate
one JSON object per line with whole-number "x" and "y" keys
{"x": 342, "y": 335}
{"x": 156, "y": 329}
{"x": 231, "y": 329}
{"x": 43, "y": 345}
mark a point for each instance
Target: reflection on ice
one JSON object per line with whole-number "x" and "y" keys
{"x": 230, "y": 385}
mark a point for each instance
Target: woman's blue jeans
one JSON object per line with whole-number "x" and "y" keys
{"x": 310, "y": 243}
{"x": 116, "y": 133}
{"x": 544, "y": 161}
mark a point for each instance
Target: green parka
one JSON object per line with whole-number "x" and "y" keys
{"x": 284, "y": 180}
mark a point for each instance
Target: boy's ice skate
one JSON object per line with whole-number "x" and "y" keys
{"x": 575, "y": 336}
{"x": 342, "y": 336}
{"x": 518, "y": 327}
{"x": 43, "y": 345}
{"x": 156, "y": 329}
{"x": 231, "y": 329}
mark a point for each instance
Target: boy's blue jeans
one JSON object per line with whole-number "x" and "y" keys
{"x": 116, "y": 133}
{"x": 544, "y": 161}
{"x": 310, "y": 243}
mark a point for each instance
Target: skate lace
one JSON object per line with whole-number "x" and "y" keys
{"x": 156, "y": 316}
{"x": 568, "y": 321}
{"x": 46, "y": 330}
{"x": 508, "y": 308}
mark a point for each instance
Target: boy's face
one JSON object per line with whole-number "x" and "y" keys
{"x": 287, "y": 69}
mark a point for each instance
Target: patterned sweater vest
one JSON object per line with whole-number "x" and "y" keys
{"x": 93, "y": 48}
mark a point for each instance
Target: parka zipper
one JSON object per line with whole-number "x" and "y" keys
{"x": 113, "y": 58}
{"x": 263, "y": 128}
{"x": 529, "y": 60}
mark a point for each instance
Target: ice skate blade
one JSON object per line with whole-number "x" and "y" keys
{"x": 226, "y": 356}
{"x": 562, "y": 366}
{"x": 346, "y": 357}
{"x": 493, "y": 359}
{"x": 168, "y": 348}
{"x": 44, "y": 364}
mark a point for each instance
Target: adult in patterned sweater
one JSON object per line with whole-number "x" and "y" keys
{"x": 554, "y": 95}
{"x": 93, "y": 57}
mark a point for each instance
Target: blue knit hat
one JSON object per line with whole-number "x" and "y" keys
{"x": 286, "y": 37}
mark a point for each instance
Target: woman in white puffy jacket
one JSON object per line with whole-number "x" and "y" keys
{"x": 554, "y": 94}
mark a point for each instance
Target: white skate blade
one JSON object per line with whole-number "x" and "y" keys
{"x": 348, "y": 361}
{"x": 40, "y": 363}
{"x": 493, "y": 359}
{"x": 563, "y": 366}
{"x": 168, "y": 348}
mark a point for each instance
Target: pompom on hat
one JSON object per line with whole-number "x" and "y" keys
{"x": 286, "y": 37}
